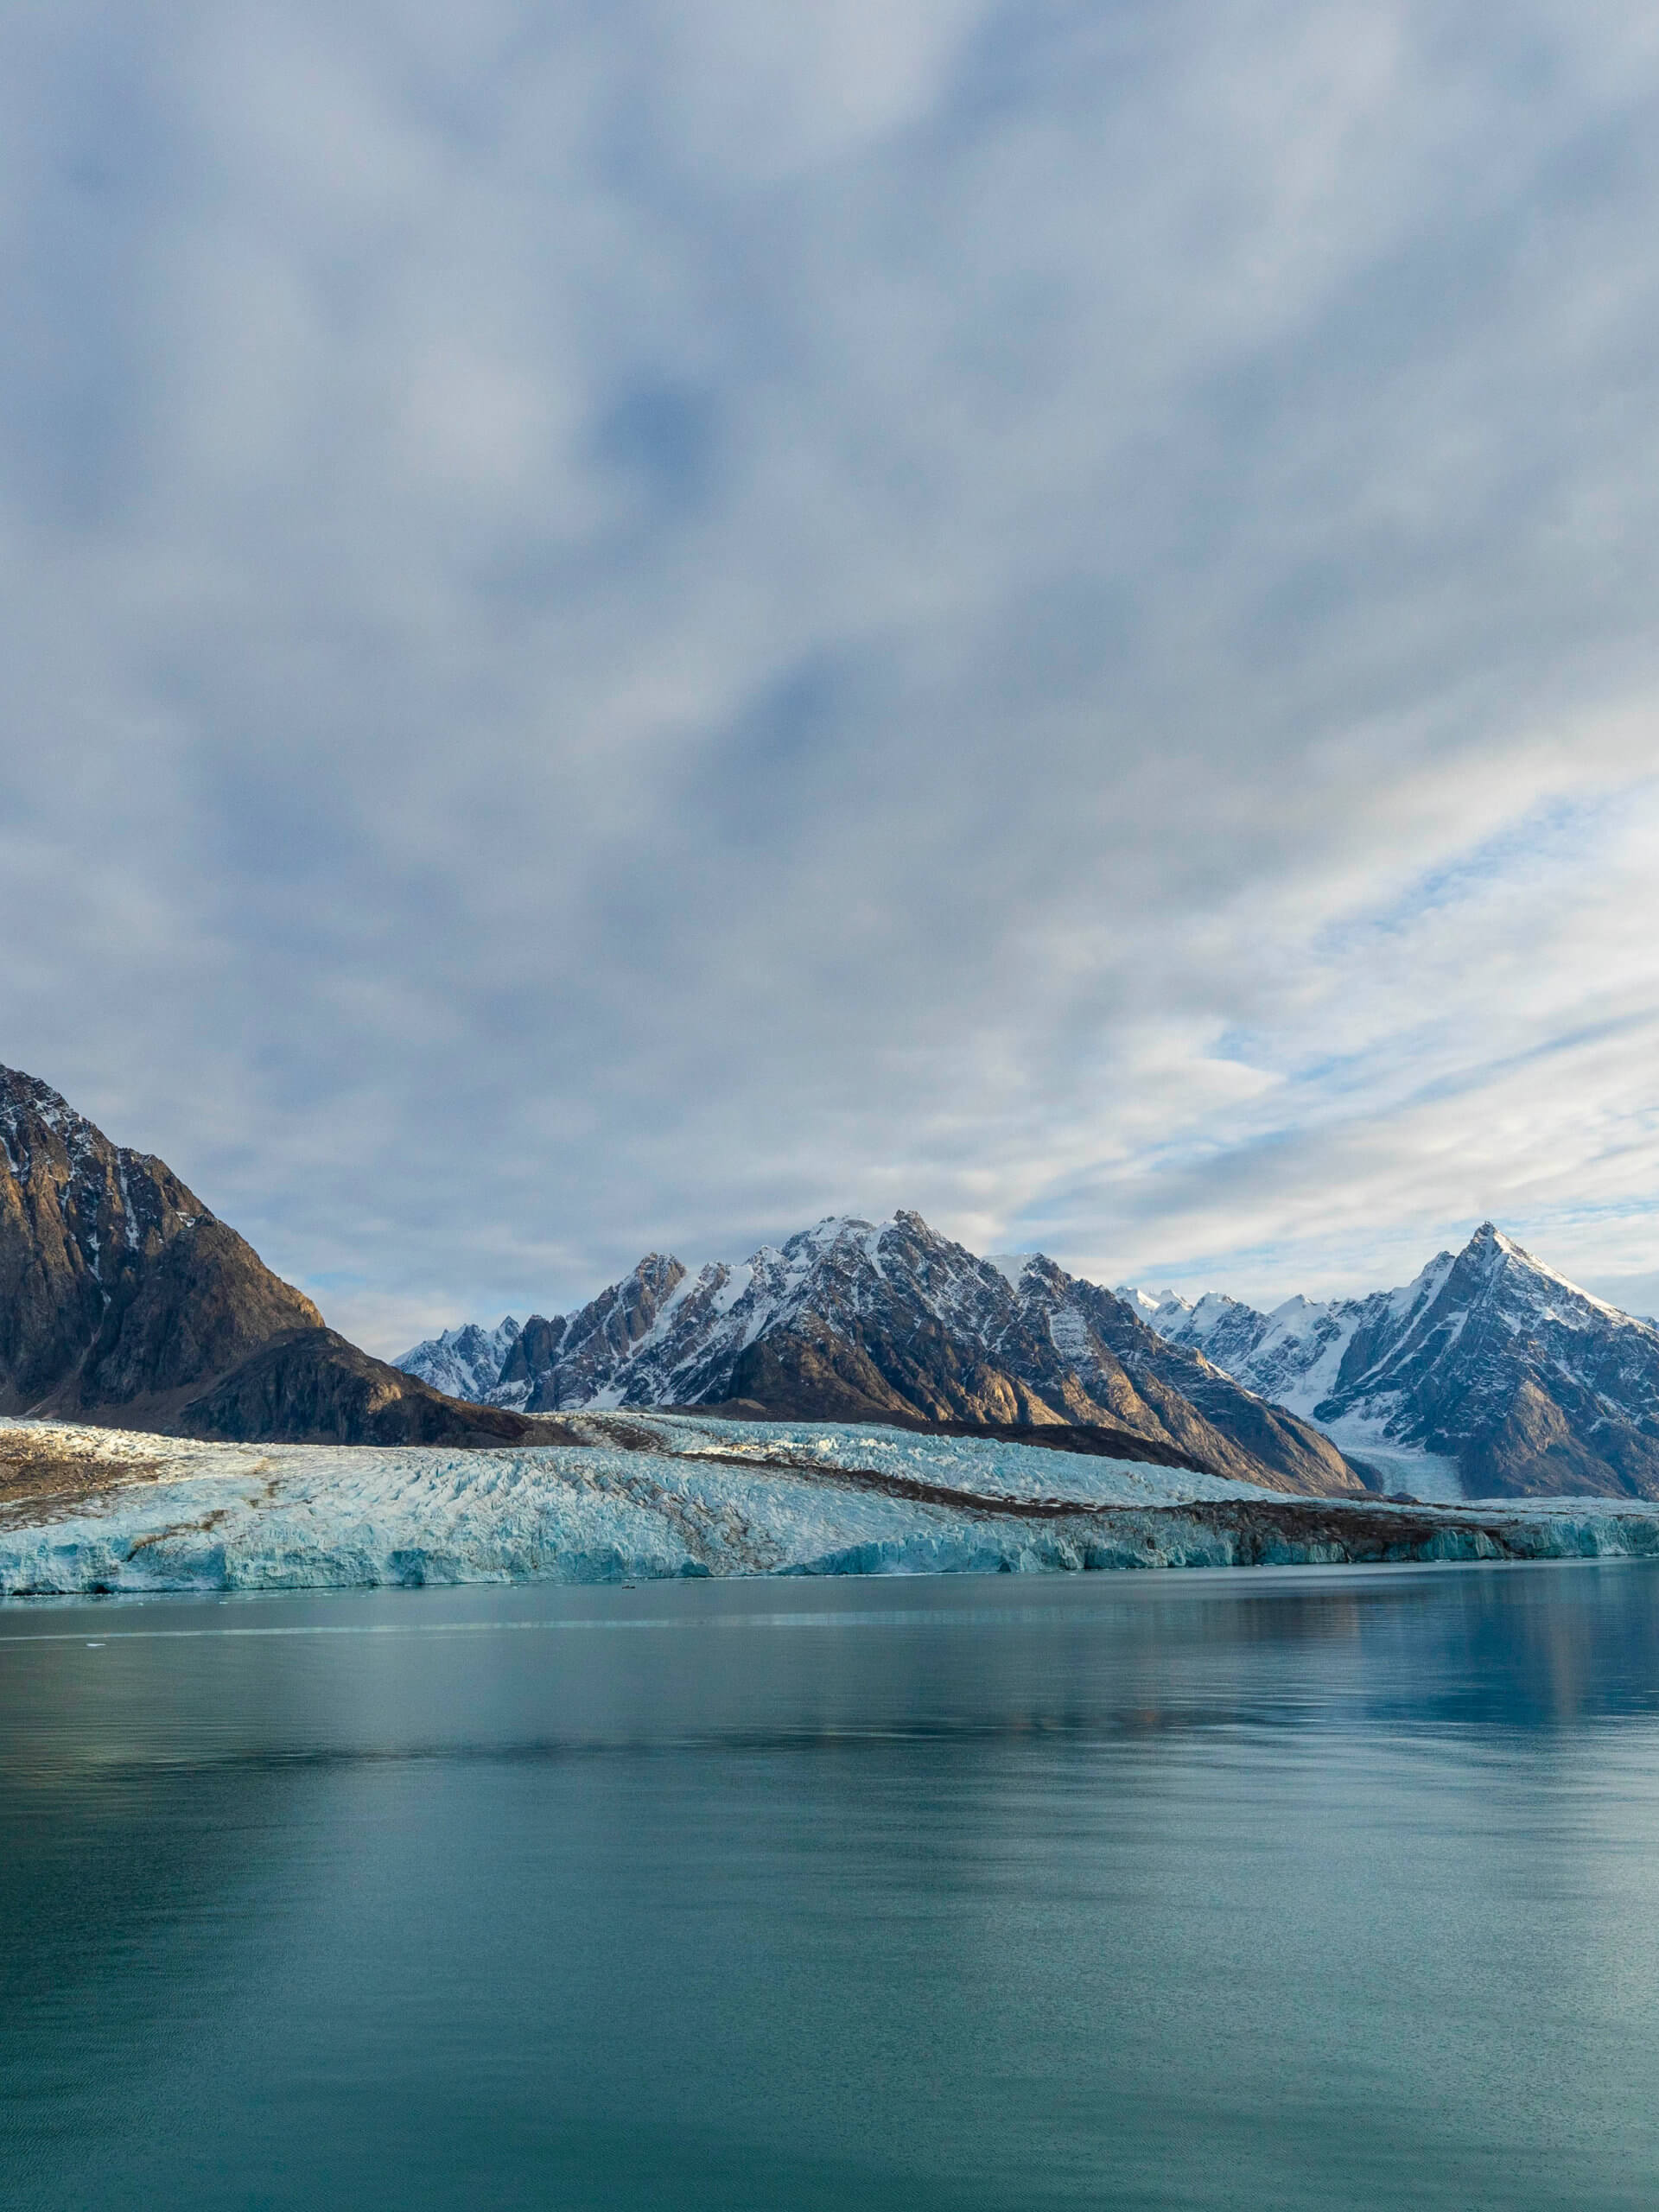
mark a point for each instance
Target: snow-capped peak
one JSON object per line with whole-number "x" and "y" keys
{"x": 1162, "y": 1309}
{"x": 464, "y": 1362}
{"x": 1501, "y": 1251}
{"x": 1423, "y": 1379}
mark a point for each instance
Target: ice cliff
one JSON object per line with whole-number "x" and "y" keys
{"x": 114, "y": 1511}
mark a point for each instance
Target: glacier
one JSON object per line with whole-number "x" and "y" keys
{"x": 688, "y": 1496}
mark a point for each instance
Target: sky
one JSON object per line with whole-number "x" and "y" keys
{"x": 622, "y": 626}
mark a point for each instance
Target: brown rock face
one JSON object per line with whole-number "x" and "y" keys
{"x": 124, "y": 1300}
{"x": 120, "y": 1294}
{"x": 1535, "y": 1451}
{"x": 313, "y": 1387}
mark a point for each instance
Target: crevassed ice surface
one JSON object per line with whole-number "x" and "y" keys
{"x": 273, "y": 1516}
{"x": 719, "y": 1498}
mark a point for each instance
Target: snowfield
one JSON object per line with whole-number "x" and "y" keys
{"x": 659, "y": 1496}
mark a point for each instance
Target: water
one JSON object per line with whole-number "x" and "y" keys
{"x": 1295, "y": 1890}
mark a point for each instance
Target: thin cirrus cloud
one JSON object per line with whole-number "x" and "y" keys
{"x": 626, "y": 626}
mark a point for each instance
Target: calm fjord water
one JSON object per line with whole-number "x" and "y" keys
{"x": 1312, "y": 1888}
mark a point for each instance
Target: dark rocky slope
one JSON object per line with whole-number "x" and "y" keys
{"x": 124, "y": 1300}
{"x": 119, "y": 1292}
{"x": 314, "y": 1387}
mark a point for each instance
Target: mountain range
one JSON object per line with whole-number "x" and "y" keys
{"x": 1488, "y": 1367}
{"x": 1490, "y": 1375}
{"x": 852, "y": 1320}
{"x": 124, "y": 1299}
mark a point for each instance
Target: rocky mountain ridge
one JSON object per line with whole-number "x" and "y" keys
{"x": 852, "y": 1320}
{"x": 118, "y": 1287}
{"x": 124, "y": 1299}
{"x": 1489, "y": 1365}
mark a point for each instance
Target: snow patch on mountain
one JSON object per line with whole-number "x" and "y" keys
{"x": 1486, "y": 1361}
{"x": 1010, "y": 1265}
{"x": 463, "y": 1362}
{"x": 1162, "y": 1309}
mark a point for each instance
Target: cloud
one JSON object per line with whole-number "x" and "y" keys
{"x": 624, "y": 626}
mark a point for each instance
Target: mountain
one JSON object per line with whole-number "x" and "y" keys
{"x": 317, "y": 1388}
{"x": 123, "y": 1299}
{"x": 855, "y": 1321}
{"x": 1489, "y": 1369}
{"x": 466, "y": 1363}
{"x": 118, "y": 1288}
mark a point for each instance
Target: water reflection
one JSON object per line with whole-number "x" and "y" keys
{"x": 1302, "y": 1889}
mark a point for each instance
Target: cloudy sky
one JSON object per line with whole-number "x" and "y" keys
{"x": 624, "y": 625}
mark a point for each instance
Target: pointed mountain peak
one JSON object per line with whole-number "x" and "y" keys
{"x": 1485, "y": 1249}
{"x": 1489, "y": 1247}
{"x": 658, "y": 1271}
{"x": 25, "y": 1099}
{"x": 1491, "y": 1243}
{"x": 1513, "y": 1272}
{"x": 17, "y": 1085}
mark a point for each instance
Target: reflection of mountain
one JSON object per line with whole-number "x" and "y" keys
{"x": 1489, "y": 1359}
{"x": 1497, "y": 1653}
{"x": 852, "y": 1321}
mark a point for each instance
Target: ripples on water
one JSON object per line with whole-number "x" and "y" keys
{"x": 1299, "y": 1890}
